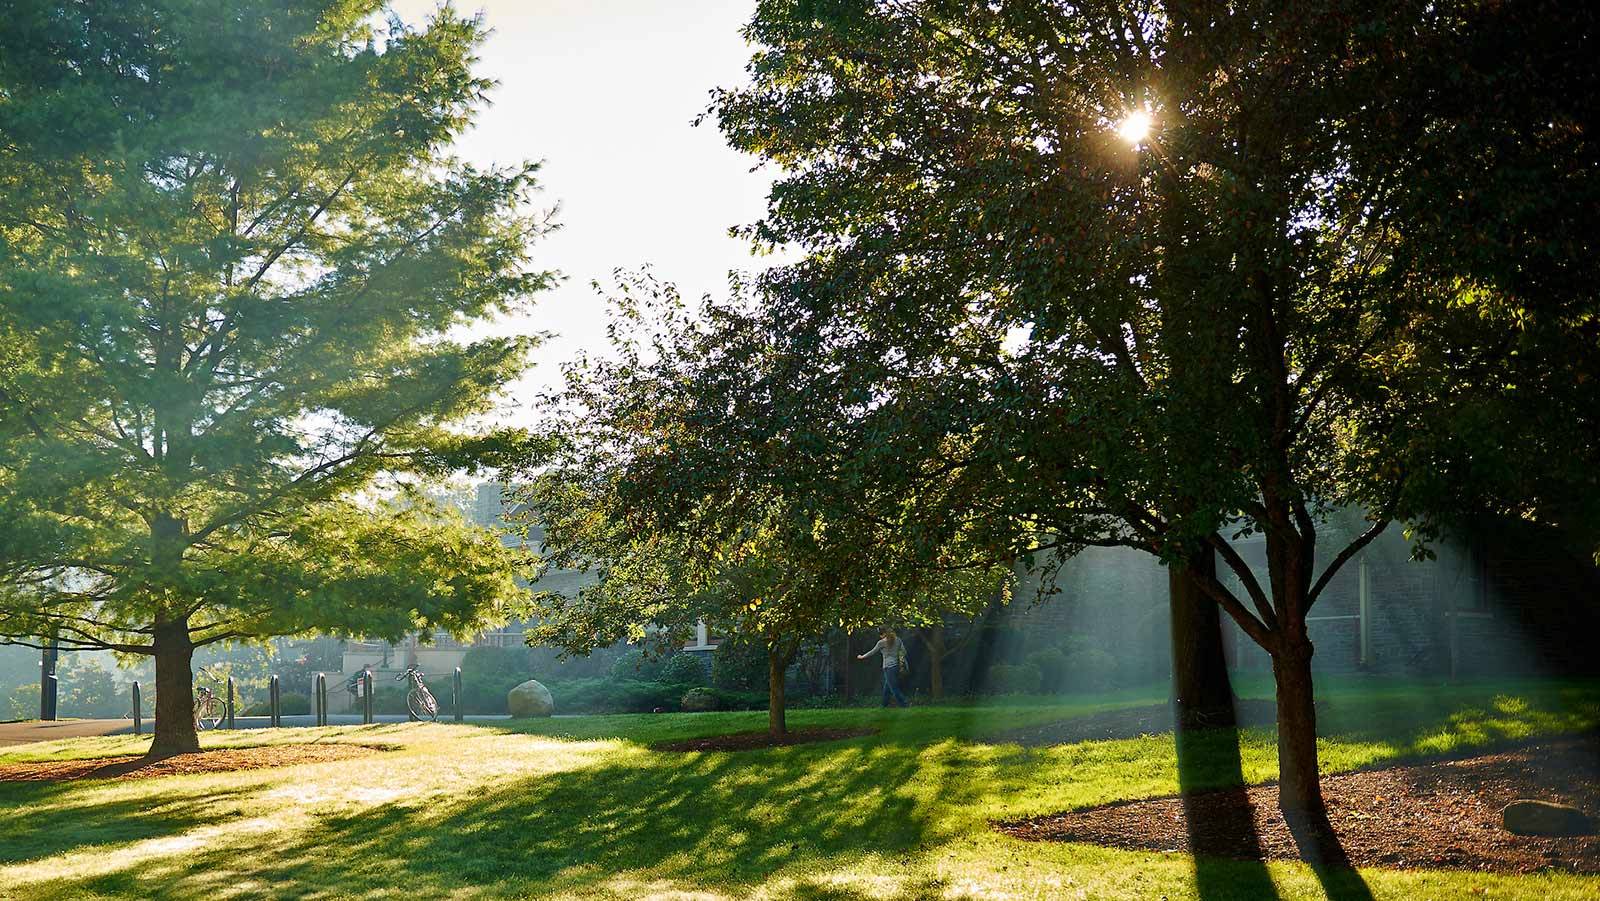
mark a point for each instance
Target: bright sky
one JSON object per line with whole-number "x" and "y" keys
{"x": 604, "y": 91}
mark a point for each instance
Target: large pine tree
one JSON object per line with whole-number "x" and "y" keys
{"x": 233, "y": 251}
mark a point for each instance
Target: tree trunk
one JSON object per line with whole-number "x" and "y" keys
{"x": 174, "y": 729}
{"x": 936, "y": 662}
{"x": 1202, "y": 693}
{"x": 777, "y": 662}
{"x": 1299, "y": 791}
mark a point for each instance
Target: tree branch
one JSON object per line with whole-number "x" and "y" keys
{"x": 1247, "y": 578}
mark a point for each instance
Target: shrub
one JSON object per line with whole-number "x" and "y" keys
{"x": 289, "y": 704}
{"x": 636, "y": 665}
{"x": 739, "y": 665}
{"x": 487, "y": 674}
{"x": 481, "y": 692}
{"x": 385, "y": 699}
{"x": 1005, "y": 678}
{"x": 1096, "y": 668}
{"x": 1090, "y": 666}
{"x": 683, "y": 669}
{"x": 492, "y": 663}
{"x": 699, "y": 700}
{"x": 613, "y": 696}
{"x": 551, "y": 664}
{"x": 742, "y": 700}
{"x": 1052, "y": 666}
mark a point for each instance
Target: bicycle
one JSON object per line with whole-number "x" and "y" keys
{"x": 419, "y": 700}
{"x": 209, "y": 710}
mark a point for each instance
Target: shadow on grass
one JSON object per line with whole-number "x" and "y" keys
{"x": 630, "y": 822}
{"x": 726, "y": 820}
{"x": 41, "y": 820}
{"x": 1320, "y": 849}
{"x": 1228, "y": 859}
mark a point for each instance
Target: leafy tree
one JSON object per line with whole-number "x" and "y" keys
{"x": 1093, "y": 336}
{"x": 88, "y": 689}
{"x": 638, "y": 665}
{"x": 739, "y": 665}
{"x": 233, "y": 246}
{"x": 683, "y": 669}
{"x": 669, "y": 488}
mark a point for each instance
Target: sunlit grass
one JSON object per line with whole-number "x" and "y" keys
{"x": 581, "y": 807}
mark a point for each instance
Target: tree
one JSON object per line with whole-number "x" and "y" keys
{"x": 232, "y": 247}
{"x": 668, "y": 486}
{"x": 1141, "y": 274}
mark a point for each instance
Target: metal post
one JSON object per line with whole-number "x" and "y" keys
{"x": 230, "y": 702}
{"x": 275, "y": 709}
{"x": 366, "y": 697}
{"x": 47, "y": 680}
{"x": 457, "y": 692}
{"x": 319, "y": 698}
{"x": 138, "y": 715}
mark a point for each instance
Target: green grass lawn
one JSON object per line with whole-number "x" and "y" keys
{"x": 580, "y": 807}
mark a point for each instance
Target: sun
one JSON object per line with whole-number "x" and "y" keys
{"x": 1135, "y": 127}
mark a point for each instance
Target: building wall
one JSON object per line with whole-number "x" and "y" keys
{"x": 1497, "y": 598}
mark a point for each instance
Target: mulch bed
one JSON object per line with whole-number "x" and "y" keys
{"x": 752, "y": 741}
{"x": 1439, "y": 815}
{"x": 222, "y": 760}
{"x": 1128, "y": 723}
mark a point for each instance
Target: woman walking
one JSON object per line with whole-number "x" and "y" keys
{"x": 893, "y": 651}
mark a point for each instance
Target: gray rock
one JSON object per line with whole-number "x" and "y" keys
{"x": 1529, "y": 817}
{"x": 530, "y": 699}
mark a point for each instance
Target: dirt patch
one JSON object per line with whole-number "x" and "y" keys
{"x": 1128, "y": 723}
{"x": 221, "y": 760}
{"x": 1442, "y": 815}
{"x": 751, "y": 741}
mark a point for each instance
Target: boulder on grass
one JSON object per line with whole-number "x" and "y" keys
{"x": 530, "y": 699}
{"x": 1528, "y": 817}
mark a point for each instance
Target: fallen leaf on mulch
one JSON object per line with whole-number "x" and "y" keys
{"x": 221, "y": 760}
{"x": 750, "y": 741}
{"x": 1441, "y": 815}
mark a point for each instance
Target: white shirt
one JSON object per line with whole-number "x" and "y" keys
{"x": 892, "y": 654}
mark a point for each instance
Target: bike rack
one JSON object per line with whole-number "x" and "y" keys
{"x": 138, "y": 715}
{"x": 456, "y": 691}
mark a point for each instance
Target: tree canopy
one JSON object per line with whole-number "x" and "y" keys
{"x": 235, "y": 251}
{"x": 671, "y": 486}
{"x": 1252, "y": 315}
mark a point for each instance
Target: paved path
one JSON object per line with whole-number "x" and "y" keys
{"x": 349, "y": 719}
{"x": 31, "y": 731}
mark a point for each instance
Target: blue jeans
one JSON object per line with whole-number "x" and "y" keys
{"x": 891, "y": 686}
